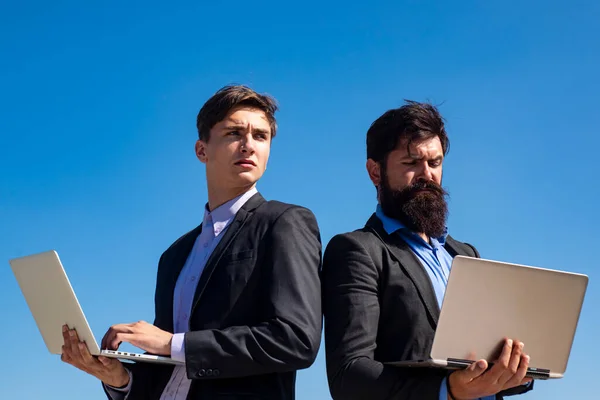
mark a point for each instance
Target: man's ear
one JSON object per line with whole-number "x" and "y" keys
{"x": 201, "y": 151}
{"x": 374, "y": 170}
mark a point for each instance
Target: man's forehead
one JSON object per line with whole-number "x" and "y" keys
{"x": 242, "y": 121}
{"x": 246, "y": 117}
{"x": 243, "y": 114}
{"x": 429, "y": 146}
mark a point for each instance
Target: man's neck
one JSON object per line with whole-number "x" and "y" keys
{"x": 219, "y": 196}
{"x": 424, "y": 237}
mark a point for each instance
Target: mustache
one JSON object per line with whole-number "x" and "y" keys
{"x": 424, "y": 185}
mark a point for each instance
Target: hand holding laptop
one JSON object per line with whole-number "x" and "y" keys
{"x": 76, "y": 353}
{"x": 478, "y": 381}
{"x": 53, "y": 303}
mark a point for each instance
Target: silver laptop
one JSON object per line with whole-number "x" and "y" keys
{"x": 53, "y": 303}
{"x": 486, "y": 301}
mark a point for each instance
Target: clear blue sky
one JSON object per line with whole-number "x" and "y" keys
{"x": 98, "y": 104}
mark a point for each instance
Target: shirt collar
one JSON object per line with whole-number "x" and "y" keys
{"x": 221, "y": 216}
{"x": 391, "y": 225}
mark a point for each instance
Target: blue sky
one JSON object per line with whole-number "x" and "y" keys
{"x": 98, "y": 104}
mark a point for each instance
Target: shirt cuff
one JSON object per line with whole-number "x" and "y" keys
{"x": 443, "y": 390}
{"x": 178, "y": 347}
{"x": 116, "y": 393}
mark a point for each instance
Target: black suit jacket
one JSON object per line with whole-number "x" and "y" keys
{"x": 256, "y": 315}
{"x": 380, "y": 306}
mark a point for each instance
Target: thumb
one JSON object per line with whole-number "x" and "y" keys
{"x": 104, "y": 360}
{"x": 474, "y": 370}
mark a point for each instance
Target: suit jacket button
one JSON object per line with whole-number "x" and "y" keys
{"x": 202, "y": 372}
{"x": 209, "y": 372}
{"x": 216, "y": 372}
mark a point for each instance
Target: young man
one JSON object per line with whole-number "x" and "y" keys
{"x": 238, "y": 297}
{"x": 383, "y": 284}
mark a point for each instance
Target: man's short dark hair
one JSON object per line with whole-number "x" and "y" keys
{"x": 226, "y": 99}
{"x": 412, "y": 122}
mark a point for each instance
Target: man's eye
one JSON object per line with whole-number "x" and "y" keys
{"x": 234, "y": 133}
{"x": 410, "y": 163}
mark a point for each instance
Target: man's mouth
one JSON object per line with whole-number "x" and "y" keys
{"x": 246, "y": 163}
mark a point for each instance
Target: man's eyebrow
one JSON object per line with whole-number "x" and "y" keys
{"x": 413, "y": 157}
{"x": 234, "y": 125}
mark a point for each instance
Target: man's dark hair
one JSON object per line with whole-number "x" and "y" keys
{"x": 412, "y": 122}
{"x": 226, "y": 99}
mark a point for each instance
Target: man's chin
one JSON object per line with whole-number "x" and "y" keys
{"x": 248, "y": 178}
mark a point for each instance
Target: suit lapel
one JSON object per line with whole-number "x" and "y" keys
{"x": 411, "y": 266}
{"x": 456, "y": 248}
{"x": 177, "y": 261}
{"x": 228, "y": 237}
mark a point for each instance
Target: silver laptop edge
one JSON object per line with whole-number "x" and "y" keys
{"x": 455, "y": 364}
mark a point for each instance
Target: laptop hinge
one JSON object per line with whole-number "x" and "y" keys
{"x": 458, "y": 362}
{"x": 536, "y": 373}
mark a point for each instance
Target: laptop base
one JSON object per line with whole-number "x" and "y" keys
{"x": 456, "y": 364}
{"x": 149, "y": 358}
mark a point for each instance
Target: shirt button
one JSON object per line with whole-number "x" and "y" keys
{"x": 205, "y": 245}
{"x": 185, "y": 316}
{"x": 193, "y": 278}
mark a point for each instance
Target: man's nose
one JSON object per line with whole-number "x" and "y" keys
{"x": 248, "y": 144}
{"x": 426, "y": 172}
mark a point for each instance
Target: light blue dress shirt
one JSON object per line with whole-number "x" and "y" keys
{"x": 434, "y": 258}
{"x": 214, "y": 224}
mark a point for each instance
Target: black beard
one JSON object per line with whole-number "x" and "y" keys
{"x": 421, "y": 207}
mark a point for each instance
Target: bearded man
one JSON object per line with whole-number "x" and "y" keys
{"x": 383, "y": 285}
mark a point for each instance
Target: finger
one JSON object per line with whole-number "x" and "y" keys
{"x": 76, "y": 353}
{"x": 513, "y": 364}
{"x": 65, "y": 333}
{"x": 472, "y": 371}
{"x": 119, "y": 338}
{"x": 86, "y": 356}
{"x": 109, "y": 338}
{"x": 74, "y": 346}
{"x": 519, "y": 376}
{"x": 105, "y": 339}
{"x": 110, "y": 335}
{"x": 65, "y": 356}
{"x": 501, "y": 364}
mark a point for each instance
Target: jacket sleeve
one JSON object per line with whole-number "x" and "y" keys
{"x": 351, "y": 291}
{"x": 515, "y": 391}
{"x": 288, "y": 338}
